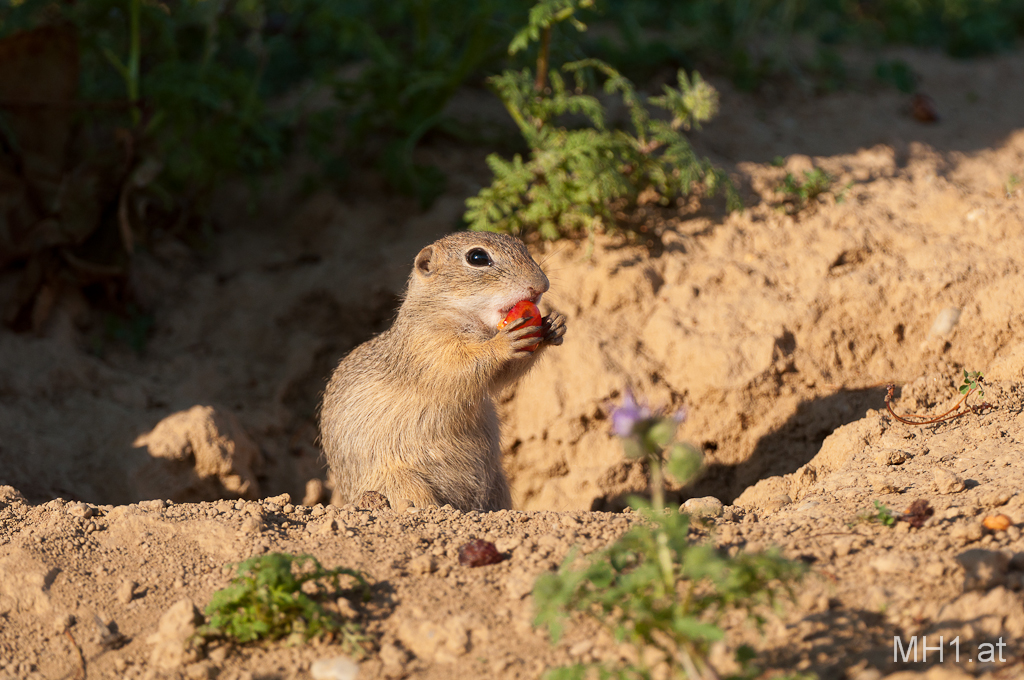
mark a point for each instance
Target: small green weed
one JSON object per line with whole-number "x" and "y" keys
{"x": 916, "y": 514}
{"x": 576, "y": 174}
{"x": 276, "y": 595}
{"x": 973, "y": 382}
{"x": 653, "y": 588}
{"x": 815, "y": 183}
{"x": 882, "y": 515}
{"x": 897, "y": 73}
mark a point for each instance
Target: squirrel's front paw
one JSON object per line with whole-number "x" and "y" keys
{"x": 554, "y": 328}
{"x": 523, "y": 339}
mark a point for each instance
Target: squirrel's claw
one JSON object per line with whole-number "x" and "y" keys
{"x": 554, "y": 328}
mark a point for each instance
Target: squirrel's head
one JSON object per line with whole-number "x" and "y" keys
{"x": 477, "y": 276}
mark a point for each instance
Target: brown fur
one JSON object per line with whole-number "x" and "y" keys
{"x": 410, "y": 413}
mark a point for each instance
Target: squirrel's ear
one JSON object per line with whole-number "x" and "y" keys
{"x": 424, "y": 265}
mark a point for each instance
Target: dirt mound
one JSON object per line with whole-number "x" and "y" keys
{"x": 777, "y": 329}
{"x": 98, "y": 588}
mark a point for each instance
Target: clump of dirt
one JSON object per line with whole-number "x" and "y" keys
{"x": 134, "y": 478}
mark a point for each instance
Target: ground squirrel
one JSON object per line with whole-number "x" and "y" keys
{"x": 410, "y": 413}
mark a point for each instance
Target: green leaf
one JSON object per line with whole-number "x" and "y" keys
{"x": 684, "y": 463}
{"x": 659, "y": 434}
{"x": 633, "y": 449}
{"x": 694, "y": 629}
{"x": 745, "y": 654}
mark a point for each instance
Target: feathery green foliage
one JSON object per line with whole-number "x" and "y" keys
{"x": 274, "y": 596}
{"x": 577, "y": 174}
{"x": 193, "y": 80}
{"x": 815, "y": 183}
{"x": 654, "y": 588}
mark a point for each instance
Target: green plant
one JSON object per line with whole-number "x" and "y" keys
{"x": 577, "y": 175}
{"x": 417, "y": 53}
{"x": 815, "y": 183}
{"x": 139, "y": 111}
{"x": 882, "y": 515}
{"x": 973, "y": 382}
{"x": 653, "y": 588}
{"x": 752, "y": 41}
{"x": 916, "y": 514}
{"x": 897, "y": 73}
{"x": 276, "y": 595}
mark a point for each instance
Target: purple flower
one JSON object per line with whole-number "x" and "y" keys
{"x": 626, "y": 416}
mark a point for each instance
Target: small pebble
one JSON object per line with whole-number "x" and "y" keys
{"x": 945, "y": 322}
{"x": 283, "y": 499}
{"x": 126, "y": 591}
{"x": 708, "y": 506}
{"x": 79, "y": 509}
{"x": 947, "y": 482}
{"x": 338, "y": 668}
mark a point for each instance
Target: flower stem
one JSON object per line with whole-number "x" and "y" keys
{"x": 658, "y": 505}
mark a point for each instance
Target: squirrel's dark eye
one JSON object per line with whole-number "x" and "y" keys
{"x": 478, "y": 257}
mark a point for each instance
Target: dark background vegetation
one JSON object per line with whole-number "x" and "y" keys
{"x": 118, "y": 117}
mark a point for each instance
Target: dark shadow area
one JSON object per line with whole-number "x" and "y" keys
{"x": 343, "y": 327}
{"x": 839, "y": 639}
{"x": 843, "y": 640}
{"x": 382, "y": 604}
{"x": 789, "y": 447}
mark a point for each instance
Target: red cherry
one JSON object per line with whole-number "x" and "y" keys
{"x": 525, "y": 308}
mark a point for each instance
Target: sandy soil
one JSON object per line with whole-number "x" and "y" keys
{"x": 132, "y": 479}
